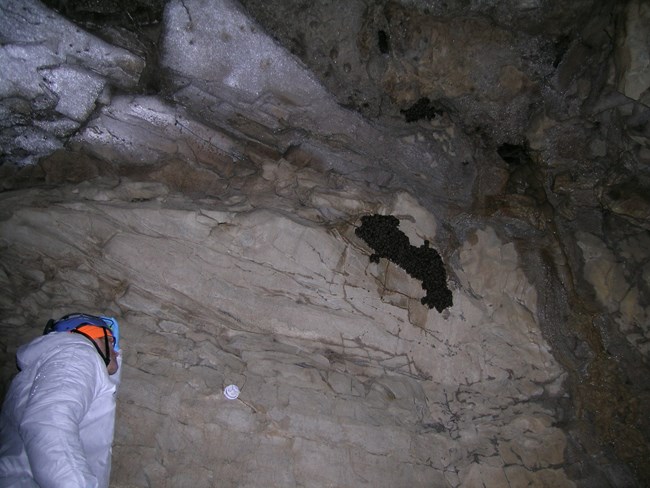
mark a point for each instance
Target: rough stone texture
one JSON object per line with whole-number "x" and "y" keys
{"x": 280, "y": 103}
{"x": 212, "y": 203}
{"x": 346, "y": 378}
{"x": 52, "y": 76}
{"x": 634, "y": 60}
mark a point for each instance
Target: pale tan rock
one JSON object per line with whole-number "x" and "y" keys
{"x": 534, "y": 442}
{"x": 602, "y": 271}
{"x": 336, "y": 382}
{"x": 482, "y": 475}
{"x": 518, "y": 476}
{"x": 633, "y": 53}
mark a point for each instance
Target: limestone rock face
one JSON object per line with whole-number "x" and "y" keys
{"x": 345, "y": 377}
{"x": 634, "y": 69}
{"x": 200, "y": 174}
{"x": 278, "y": 101}
{"x": 52, "y": 78}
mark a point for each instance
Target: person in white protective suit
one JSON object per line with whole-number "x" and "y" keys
{"x": 57, "y": 420}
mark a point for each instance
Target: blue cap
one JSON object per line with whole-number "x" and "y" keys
{"x": 75, "y": 320}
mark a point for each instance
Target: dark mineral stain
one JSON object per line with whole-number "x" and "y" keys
{"x": 422, "y": 109}
{"x": 434, "y": 427}
{"x": 515, "y": 154}
{"x": 382, "y": 234}
{"x": 127, "y": 13}
{"x": 382, "y": 42}
{"x": 561, "y": 47}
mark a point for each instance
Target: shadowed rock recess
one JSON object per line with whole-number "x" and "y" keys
{"x": 278, "y": 194}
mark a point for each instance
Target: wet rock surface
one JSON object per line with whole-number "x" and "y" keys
{"x": 201, "y": 169}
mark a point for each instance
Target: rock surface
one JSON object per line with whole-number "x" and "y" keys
{"x": 200, "y": 174}
{"x": 52, "y": 76}
{"x": 346, "y": 378}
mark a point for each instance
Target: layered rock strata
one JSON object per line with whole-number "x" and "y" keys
{"x": 210, "y": 203}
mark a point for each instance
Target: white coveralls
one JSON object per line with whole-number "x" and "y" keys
{"x": 57, "y": 421}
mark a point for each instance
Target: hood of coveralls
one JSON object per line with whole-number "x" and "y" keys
{"x": 45, "y": 346}
{"x": 56, "y": 426}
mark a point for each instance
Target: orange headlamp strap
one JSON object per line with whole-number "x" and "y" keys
{"x": 92, "y": 332}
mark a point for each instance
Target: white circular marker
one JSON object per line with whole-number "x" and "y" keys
{"x": 231, "y": 392}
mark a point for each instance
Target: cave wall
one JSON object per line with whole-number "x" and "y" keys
{"x": 198, "y": 169}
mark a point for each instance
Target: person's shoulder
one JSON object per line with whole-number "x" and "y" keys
{"x": 58, "y": 347}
